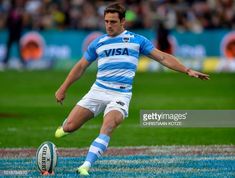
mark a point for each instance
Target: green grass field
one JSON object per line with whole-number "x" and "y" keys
{"x": 29, "y": 113}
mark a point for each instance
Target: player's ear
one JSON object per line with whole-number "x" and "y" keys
{"x": 123, "y": 21}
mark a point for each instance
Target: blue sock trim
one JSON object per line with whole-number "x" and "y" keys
{"x": 91, "y": 157}
{"x": 99, "y": 145}
{"x": 104, "y": 137}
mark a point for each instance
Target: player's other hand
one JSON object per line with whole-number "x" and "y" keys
{"x": 196, "y": 74}
{"x": 60, "y": 96}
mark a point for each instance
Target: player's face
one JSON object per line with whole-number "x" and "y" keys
{"x": 113, "y": 25}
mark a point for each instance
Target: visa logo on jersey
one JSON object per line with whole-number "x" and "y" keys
{"x": 116, "y": 51}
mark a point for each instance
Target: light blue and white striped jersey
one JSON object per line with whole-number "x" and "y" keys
{"x": 117, "y": 59}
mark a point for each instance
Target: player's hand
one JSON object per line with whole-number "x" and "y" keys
{"x": 196, "y": 74}
{"x": 60, "y": 96}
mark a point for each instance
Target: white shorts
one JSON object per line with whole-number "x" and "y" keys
{"x": 99, "y": 100}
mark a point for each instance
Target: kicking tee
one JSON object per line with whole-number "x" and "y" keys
{"x": 117, "y": 59}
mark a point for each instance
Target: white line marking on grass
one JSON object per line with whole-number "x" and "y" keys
{"x": 12, "y": 129}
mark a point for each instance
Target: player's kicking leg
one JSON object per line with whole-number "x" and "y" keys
{"x": 77, "y": 117}
{"x": 111, "y": 120}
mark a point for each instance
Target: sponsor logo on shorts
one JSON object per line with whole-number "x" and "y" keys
{"x": 120, "y": 103}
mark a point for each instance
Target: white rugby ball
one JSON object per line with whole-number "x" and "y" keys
{"x": 46, "y": 157}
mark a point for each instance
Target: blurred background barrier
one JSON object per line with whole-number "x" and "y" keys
{"x": 211, "y": 51}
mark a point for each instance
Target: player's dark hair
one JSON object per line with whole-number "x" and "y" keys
{"x": 116, "y": 7}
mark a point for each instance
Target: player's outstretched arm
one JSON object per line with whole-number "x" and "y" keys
{"x": 75, "y": 73}
{"x": 173, "y": 63}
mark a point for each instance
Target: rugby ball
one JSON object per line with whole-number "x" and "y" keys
{"x": 46, "y": 157}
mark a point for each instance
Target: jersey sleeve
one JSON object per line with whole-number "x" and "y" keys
{"x": 146, "y": 46}
{"x": 90, "y": 54}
